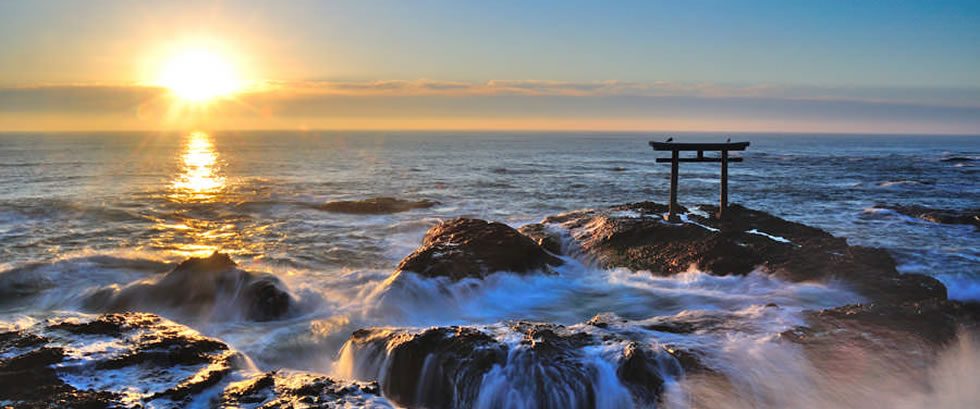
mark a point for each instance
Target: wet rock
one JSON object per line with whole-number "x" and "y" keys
{"x": 28, "y": 380}
{"x": 957, "y": 159}
{"x": 643, "y": 370}
{"x": 377, "y": 205}
{"x": 133, "y": 360}
{"x": 942, "y": 216}
{"x": 209, "y": 287}
{"x": 931, "y": 322}
{"x": 636, "y": 236}
{"x": 282, "y": 389}
{"x": 48, "y": 371}
{"x": 434, "y": 368}
{"x": 547, "y": 238}
{"x": 463, "y": 247}
{"x": 548, "y": 364}
{"x": 871, "y": 341}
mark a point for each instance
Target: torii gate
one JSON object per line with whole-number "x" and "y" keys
{"x": 675, "y": 159}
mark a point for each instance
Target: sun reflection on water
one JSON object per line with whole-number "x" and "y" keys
{"x": 200, "y": 179}
{"x": 191, "y": 231}
{"x": 200, "y": 213}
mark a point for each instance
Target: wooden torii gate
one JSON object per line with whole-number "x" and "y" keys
{"x": 675, "y": 160}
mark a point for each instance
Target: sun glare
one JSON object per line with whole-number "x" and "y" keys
{"x": 199, "y": 75}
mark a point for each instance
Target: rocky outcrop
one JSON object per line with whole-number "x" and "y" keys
{"x": 934, "y": 323}
{"x": 138, "y": 359}
{"x": 452, "y": 367}
{"x": 906, "y": 338}
{"x": 434, "y": 368}
{"x": 942, "y": 216}
{"x": 636, "y": 236}
{"x": 377, "y": 205}
{"x": 462, "y": 247}
{"x": 213, "y": 286}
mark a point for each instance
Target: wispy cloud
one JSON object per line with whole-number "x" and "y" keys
{"x": 938, "y": 96}
{"x": 911, "y": 109}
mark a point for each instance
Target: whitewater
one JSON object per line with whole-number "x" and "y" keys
{"x": 85, "y": 214}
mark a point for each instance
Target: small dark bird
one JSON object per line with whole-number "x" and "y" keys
{"x": 729, "y": 140}
{"x": 669, "y": 139}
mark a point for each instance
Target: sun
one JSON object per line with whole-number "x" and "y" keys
{"x": 199, "y": 75}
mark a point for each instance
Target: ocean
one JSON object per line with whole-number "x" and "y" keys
{"x": 80, "y": 212}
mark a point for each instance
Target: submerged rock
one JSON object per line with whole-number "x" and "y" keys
{"x": 136, "y": 360}
{"x": 540, "y": 364}
{"x": 636, "y": 236}
{"x": 213, "y": 286}
{"x": 957, "y": 159}
{"x": 462, "y": 247}
{"x": 942, "y": 216}
{"x": 377, "y": 205}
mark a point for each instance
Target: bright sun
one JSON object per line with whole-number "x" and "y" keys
{"x": 199, "y": 75}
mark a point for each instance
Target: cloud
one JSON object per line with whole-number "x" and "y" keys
{"x": 77, "y": 98}
{"x": 938, "y": 96}
{"x": 428, "y": 101}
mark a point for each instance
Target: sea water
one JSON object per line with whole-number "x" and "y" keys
{"x": 84, "y": 211}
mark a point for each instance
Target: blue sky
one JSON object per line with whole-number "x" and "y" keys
{"x": 897, "y": 52}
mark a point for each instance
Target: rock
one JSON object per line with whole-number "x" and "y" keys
{"x": 28, "y": 379}
{"x": 931, "y": 322}
{"x": 636, "y": 236}
{"x": 88, "y": 350}
{"x": 942, "y": 216}
{"x": 547, "y": 364}
{"x": 377, "y": 205}
{"x": 202, "y": 287}
{"x": 870, "y": 341}
{"x": 461, "y": 248}
{"x": 547, "y": 238}
{"x": 434, "y": 368}
{"x": 957, "y": 159}
{"x": 142, "y": 360}
{"x": 643, "y": 370}
{"x": 281, "y": 389}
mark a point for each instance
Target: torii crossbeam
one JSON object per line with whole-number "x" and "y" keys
{"x": 675, "y": 160}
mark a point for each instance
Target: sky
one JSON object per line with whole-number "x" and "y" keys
{"x": 780, "y": 66}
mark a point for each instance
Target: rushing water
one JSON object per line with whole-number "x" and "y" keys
{"x": 79, "y": 212}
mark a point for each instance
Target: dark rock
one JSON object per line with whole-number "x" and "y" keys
{"x": 156, "y": 353}
{"x": 435, "y": 368}
{"x": 957, "y": 159}
{"x": 463, "y": 247}
{"x": 547, "y": 238}
{"x": 111, "y": 325}
{"x": 642, "y": 371}
{"x": 635, "y": 236}
{"x": 274, "y": 390}
{"x": 855, "y": 339}
{"x": 377, "y": 205}
{"x": 689, "y": 360}
{"x": 202, "y": 287}
{"x": 449, "y": 367}
{"x": 934, "y": 322}
{"x": 941, "y": 216}
{"x": 167, "y": 351}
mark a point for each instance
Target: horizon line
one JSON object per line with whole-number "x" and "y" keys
{"x": 481, "y": 130}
